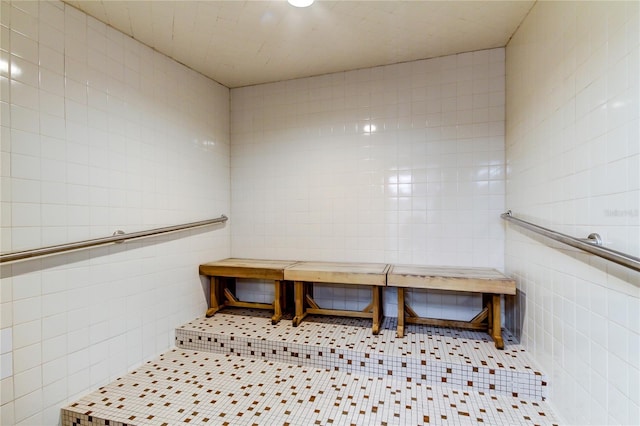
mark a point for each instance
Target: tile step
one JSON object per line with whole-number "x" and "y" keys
{"x": 467, "y": 360}
{"x": 191, "y": 387}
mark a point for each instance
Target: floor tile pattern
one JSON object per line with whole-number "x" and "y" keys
{"x": 427, "y": 355}
{"x": 190, "y": 387}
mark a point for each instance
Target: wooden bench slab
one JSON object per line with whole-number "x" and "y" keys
{"x": 489, "y": 282}
{"x": 247, "y": 268}
{"x": 473, "y": 280}
{"x": 338, "y": 272}
{"x": 222, "y": 293}
{"x": 304, "y": 274}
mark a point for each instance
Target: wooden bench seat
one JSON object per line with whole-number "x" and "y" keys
{"x": 224, "y": 272}
{"x": 304, "y": 274}
{"x": 489, "y": 282}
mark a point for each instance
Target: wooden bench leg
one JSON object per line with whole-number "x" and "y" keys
{"x": 496, "y": 328}
{"x": 277, "y": 300}
{"x": 298, "y": 297}
{"x": 377, "y": 309}
{"x": 487, "y": 302}
{"x": 400, "y": 330}
{"x": 230, "y": 298}
{"x": 283, "y": 296}
{"x": 214, "y": 290}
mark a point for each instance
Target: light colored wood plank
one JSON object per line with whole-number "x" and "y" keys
{"x": 246, "y": 268}
{"x": 481, "y": 317}
{"x": 340, "y": 313}
{"x": 401, "y": 306}
{"x": 492, "y": 311}
{"x": 214, "y": 291}
{"x": 473, "y": 280}
{"x": 376, "y": 309}
{"x": 445, "y": 323}
{"x": 254, "y": 305}
{"x": 277, "y": 302}
{"x": 312, "y": 303}
{"x": 409, "y": 310}
{"x": 211, "y": 312}
{"x": 230, "y": 296}
{"x": 298, "y": 297}
{"x": 338, "y": 273}
{"x": 496, "y": 331}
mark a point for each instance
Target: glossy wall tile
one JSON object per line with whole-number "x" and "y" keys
{"x": 400, "y": 164}
{"x": 573, "y": 156}
{"x": 99, "y": 133}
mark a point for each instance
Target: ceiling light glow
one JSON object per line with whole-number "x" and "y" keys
{"x": 4, "y": 69}
{"x": 369, "y": 128}
{"x": 300, "y": 3}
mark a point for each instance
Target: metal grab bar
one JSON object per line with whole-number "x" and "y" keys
{"x": 117, "y": 237}
{"x": 592, "y": 244}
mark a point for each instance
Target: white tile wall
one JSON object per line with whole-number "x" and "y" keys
{"x": 99, "y": 133}
{"x": 6, "y": 353}
{"x": 573, "y": 156}
{"x": 400, "y": 164}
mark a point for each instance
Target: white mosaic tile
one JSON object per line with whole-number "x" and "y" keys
{"x": 428, "y": 355}
{"x": 189, "y": 387}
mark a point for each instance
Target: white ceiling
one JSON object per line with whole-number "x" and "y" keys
{"x": 240, "y": 43}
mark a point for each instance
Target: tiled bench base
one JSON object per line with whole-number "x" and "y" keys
{"x": 426, "y": 355}
{"x": 188, "y": 387}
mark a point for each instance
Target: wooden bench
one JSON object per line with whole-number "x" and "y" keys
{"x": 304, "y": 274}
{"x": 489, "y": 282}
{"x": 224, "y": 272}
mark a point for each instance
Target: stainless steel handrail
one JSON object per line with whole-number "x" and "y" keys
{"x": 591, "y": 244}
{"x": 117, "y": 237}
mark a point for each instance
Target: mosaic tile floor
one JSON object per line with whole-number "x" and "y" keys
{"x": 446, "y": 344}
{"x": 428, "y": 355}
{"x": 189, "y": 387}
{"x": 236, "y": 368}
